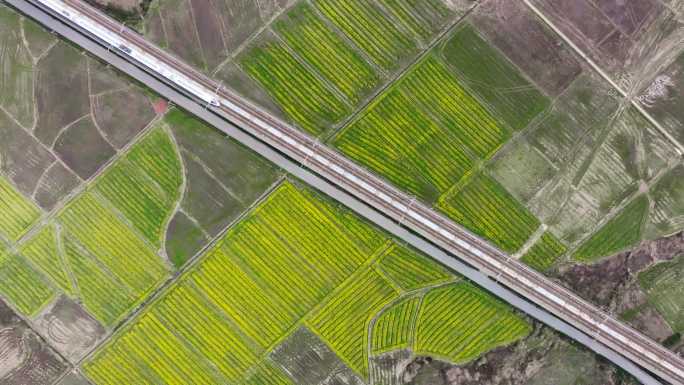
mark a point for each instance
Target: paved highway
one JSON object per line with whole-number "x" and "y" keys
{"x": 374, "y": 192}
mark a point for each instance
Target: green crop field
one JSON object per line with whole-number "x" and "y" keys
{"x": 22, "y": 285}
{"x": 544, "y": 253}
{"x": 295, "y": 260}
{"x": 424, "y": 133}
{"x": 320, "y": 46}
{"x": 343, "y": 322}
{"x": 16, "y": 212}
{"x": 460, "y": 322}
{"x": 145, "y": 184}
{"x": 619, "y": 233}
{"x": 410, "y": 270}
{"x": 302, "y": 95}
{"x": 493, "y": 78}
{"x": 394, "y": 328}
{"x": 487, "y": 209}
{"x": 370, "y": 29}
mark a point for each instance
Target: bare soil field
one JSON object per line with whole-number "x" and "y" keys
{"x": 24, "y": 357}
{"x": 69, "y": 328}
{"x": 311, "y": 362}
{"x": 82, "y": 148}
{"x": 628, "y": 39}
{"x": 613, "y": 283}
{"x": 62, "y": 72}
{"x": 42, "y": 149}
{"x": 120, "y": 115}
{"x": 206, "y": 32}
{"x": 528, "y": 43}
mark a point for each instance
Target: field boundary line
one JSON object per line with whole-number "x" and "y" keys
{"x": 599, "y": 70}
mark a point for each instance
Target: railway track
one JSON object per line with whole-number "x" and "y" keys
{"x": 397, "y": 205}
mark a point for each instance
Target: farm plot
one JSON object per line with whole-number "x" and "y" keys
{"x": 343, "y": 322}
{"x": 206, "y": 33}
{"x": 302, "y": 94}
{"x": 410, "y": 270}
{"x": 606, "y": 171}
{"x": 145, "y": 184}
{"x": 223, "y": 179}
{"x": 318, "y": 61}
{"x": 526, "y": 41}
{"x": 25, "y": 288}
{"x": 49, "y": 142}
{"x": 43, "y": 251}
{"x": 393, "y": 329}
{"x": 296, "y": 260}
{"x": 522, "y": 170}
{"x": 17, "y": 212}
{"x": 17, "y": 76}
{"x": 424, "y": 133}
{"x": 622, "y": 37}
{"x": 423, "y": 18}
{"x": 286, "y": 267}
{"x": 370, "y": 29}
{"x": 486, "y": 72}
{"x": 320, "y": 46}
{"x": 460, "y": 322}
{"x": 281, "y": 272}
{"x": 667, "y": 215}
{"x": 487, "y": 209}
{"x": 664, "y": 288}
{"x": 544, "y": 253}
{"x": 107, "y": 258}
{"x": 622, "y": 231}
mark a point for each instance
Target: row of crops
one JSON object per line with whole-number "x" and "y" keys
{"x": 145, "y": 184}
{"x": 320, "y": 60}
{"x": 101, "y": 249}
{"x": 460, "y": 322}
{"x": 21, "y": 285}
{"x": 425, "y": 134}
{"x": 18, "y": 213}
{"x": 457, "y": 322}
{"x": 487, "y": 209}
{"x": 544, "y": 253}
{"x": 19, "y": 282}
{"x": 295, "y": 260}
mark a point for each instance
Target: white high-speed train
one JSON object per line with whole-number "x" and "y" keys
{"x": 113, "y": 40}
